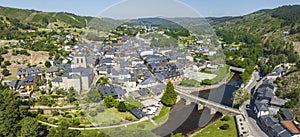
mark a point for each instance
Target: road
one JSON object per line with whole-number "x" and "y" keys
{"x": 251, "y": 119}
{"x": 253, "y": 81}
{"x": 253, "y": 122}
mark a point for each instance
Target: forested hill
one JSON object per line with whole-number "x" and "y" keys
{"x": 55, "y": 19}
{"x": 260, "y": 39}
{"x": 266, "y": 24}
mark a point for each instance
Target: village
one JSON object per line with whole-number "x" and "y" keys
{"x": 129, "y": 68}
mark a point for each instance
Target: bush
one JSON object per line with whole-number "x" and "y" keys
{"x": 5, "y": 72}
{"x": 122, "y": 107}
{"x": 225, "y": 118}
{"x": 55, "y": 113}
{"x": 100, "y": 108}
{"x": 93, "y": 113}
{"x": 224, "y": 126}
{"x": 47, "y": 64}
{"x": 129, "y": 118}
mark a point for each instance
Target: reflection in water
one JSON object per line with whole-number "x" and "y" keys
{"x": 186, "y": 118}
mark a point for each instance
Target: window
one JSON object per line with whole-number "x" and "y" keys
{"x": 81, "y": 60}
{"x": 77, "y": 60}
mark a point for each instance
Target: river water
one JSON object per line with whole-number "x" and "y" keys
{"x": 186, "y": 119}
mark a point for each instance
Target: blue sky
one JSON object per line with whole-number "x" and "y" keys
{"x": 211, "y": 8}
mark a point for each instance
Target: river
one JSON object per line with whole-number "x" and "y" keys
{"x": 186, "y": 119}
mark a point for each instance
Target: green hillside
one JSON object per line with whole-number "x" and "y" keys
{"x": 259, "y": 38}
{"x": 57, "y": 19}
{"x": 268, "y": 24}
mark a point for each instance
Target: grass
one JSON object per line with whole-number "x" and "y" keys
{"x": 213, "y": 130}
{"x": 190, "y": 82}
{"x": 298, "y": 119}
{"x": 111, "y": 116}
{"x": 140, "y": 129}
{"x": 164, "y": 111}
{"x": 221, "y": 74}
{"x": 230, "y": 76}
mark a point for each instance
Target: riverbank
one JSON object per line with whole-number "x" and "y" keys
{"x": 206, "y": 87}
{"x": 213, "y": 129}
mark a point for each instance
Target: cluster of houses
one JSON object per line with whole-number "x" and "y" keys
{"x": 27, "y": 80}
{"x": 135, "y": 65}
{"x": 131, "y": 65}
{"x": 277, "y": 120}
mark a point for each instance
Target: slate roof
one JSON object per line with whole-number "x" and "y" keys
{"x": 29, "y": 80}
{"x": 148, "y": 80}
{"x": 112, "y": 90}
{"x": 16, "y": 84}
{"x": 144, "y": 92}
{"x": 157, "y": 88}
{"x": 49, "y": 70}
{"x": 137, "y": 113}
{"x": 57, "y": 79}
{"x": 287, "y": 114}
{"x": 22, "y": 71}
{"x": 270, "y": 121}
{"x": 277, "y": 101}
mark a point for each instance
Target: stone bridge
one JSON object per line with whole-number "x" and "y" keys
{"x": 201, "y": 102}
{"x": 236, "y": 69}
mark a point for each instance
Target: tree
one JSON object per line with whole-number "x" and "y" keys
{"x": 63, "y": 131}
{"x": 71, "y": 95}
{"x": 5, "y": 72}
{"x": 122, "y": 107}
{"x": 7, "y": 63}
{"x": 47, "y": 64}
{"x": 292, "y": 103}
{"x": 30, "y": 128}
{"x": 94, "y": 96}
{"x": 9, "y": 112}
{"x": 110, "y": 101}
{"x": 169, "y": 98}
{"x": 14, "y": 118}
{"x": 298, "y": 63}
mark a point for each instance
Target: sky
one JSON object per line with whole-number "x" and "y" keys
{"x": 137, "y": 8}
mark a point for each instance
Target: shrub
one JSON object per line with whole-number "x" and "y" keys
{"x": 225, "y": 118}
{"x": 55, "y": 113}
{"x": 224, "y": 126}
{"x": 93, "y": 113}
{"x": 129, "y": 118}
{"x": 100, "y": 108}
{"x": 122, "y": 107}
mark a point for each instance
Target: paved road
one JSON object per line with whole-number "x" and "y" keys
{"x": 253, "y": 81}
{"x": 254, "y": 125}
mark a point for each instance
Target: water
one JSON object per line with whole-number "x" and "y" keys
{"x": 186, "y": 118}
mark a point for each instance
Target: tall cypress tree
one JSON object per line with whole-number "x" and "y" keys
{"x": 169, "y": 98}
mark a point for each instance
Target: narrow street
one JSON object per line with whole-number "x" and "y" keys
{"x": 253, "y": 123}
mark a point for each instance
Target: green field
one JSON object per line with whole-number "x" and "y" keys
{"x": 213, "y": 129}
{"x": 141, "y": 129}
{"x": 111, "y": 116}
